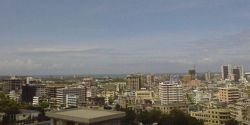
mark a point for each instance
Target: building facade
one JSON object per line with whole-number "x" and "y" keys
{"x": 170, "y": 92}
{"x": 213, "y": 116}
{"x": 79, "y": 92}
{"x": 228, "y": 94}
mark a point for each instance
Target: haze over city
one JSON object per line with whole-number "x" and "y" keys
{"x": 89, "y": 37}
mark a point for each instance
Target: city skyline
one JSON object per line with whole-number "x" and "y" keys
{"x": 113, "y": 37}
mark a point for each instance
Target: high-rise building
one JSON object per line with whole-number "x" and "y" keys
{"x": 232, "y": 72}
{"x": 237, "y": 73}
{"x": 170, "y": 92}
{"x": 28, "y": 92}
{"x": 79, "y": 92}
{"x": 225, "y": 71}
{"x": 135, "y": 81}
{"x": 41, "y": 90}
{"x": 150, "y": 80}
{"x": 13, "y": 83}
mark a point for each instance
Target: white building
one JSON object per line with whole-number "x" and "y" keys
{"x": 71, "y": 100}
{"x": 170, "y": 92}
{"x": 35, "y": 100}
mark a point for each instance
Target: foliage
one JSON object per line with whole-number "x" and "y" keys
{"x": 130, "y": 117}
{"x": 232, "y": 122}
{"x": 10, "y": 107}
{"x": 149, "y": 117}
{"x": 44, "y": 104}
{"x": 117, "y": 107}
{"x": 175, "y": 117}
{"x": 7, "y": 105}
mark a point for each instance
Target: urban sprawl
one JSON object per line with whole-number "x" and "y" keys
{"x": 209, "y": 98}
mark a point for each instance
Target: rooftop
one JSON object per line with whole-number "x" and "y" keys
{"x": 86, "y": 115}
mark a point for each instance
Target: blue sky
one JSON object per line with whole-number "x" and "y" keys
{"x": 122, "y": 36}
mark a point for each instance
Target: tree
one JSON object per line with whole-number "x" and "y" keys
{"x": 232, "y": 122}
{"x": 117, "y": 107}
{"x": 165, "y": 120}
{"x": 111, "y": 100}
{"x": 150, "y": 117}
{"x": 154, "y": 116}
{"x": 44, "y": 104}
{"x": 130, "y": 117}
{"x": 144, "y": 117}
{"x": 177, "y": 117}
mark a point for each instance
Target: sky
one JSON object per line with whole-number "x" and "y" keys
{"x": 51, "y": 37}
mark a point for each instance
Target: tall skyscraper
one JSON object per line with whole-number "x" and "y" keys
{"x": 236, "y": 74}
{"x": 28, "y": 92}
{"x": 170, "y": 92}
{"x": 232, "y": 72}
{"x": 225, "y": 71}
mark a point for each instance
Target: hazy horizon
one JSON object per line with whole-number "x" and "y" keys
{"x": 122, "y": 36}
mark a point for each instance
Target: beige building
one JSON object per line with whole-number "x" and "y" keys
{"x": 247, "y": 91}
{"x": 168, "y": 108}
{"x": 247, "y": 119}
{"x": 142, "y": 95}
{"x": 125, "y": 101}
{"x": 228, "y": 94}
{"x": 239, "y": 112}
{"x": 136, "y": 81}
{"x": 213, "y": 116}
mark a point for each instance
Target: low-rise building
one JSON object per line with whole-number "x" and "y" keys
{"x": 26, "y": 116}
{"x": 168, "y": 108}
{"x": 85, "y": 117}
{"x": 202, "y": 97}
{"x": 213, "y": 116}
{"x": 142, "y": 95}
{"x": 238, "y": 111}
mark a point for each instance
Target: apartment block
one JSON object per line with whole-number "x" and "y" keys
{"x": 228, "y": 94}
{"x": 170, "y": 92}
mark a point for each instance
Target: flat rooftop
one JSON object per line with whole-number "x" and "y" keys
{"x": 85, "y": 115}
